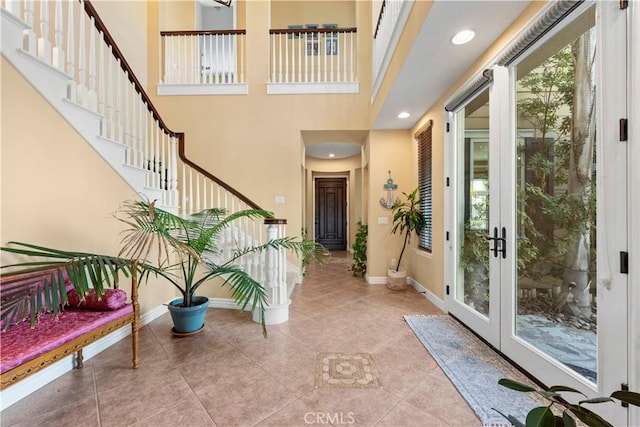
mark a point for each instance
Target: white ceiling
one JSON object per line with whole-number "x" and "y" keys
{"x": 340, "y": 150}
{"x": 434, "y": 64}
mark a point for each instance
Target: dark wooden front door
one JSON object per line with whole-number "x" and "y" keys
{"x": 331, "y": 213}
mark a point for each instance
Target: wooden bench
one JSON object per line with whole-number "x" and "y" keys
{"x": 27, "y": 350}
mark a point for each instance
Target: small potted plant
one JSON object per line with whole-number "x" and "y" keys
{"x": 407, "y": 219}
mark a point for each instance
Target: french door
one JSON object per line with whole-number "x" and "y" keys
{"x": 538, "y": 205}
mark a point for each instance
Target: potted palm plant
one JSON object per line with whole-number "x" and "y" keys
{"x": 407, "y": 219}
{"x": 187, "y": 256}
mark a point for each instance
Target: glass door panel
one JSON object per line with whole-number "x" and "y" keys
{"x": 476, "y": 271}
{"x": 556, "y": 168}
{"x": 473, "y": 205}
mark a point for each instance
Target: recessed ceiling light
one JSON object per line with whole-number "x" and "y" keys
{"x": 462, "y": 37}
{"x": 403, "y": 115}
{"x": 332, "y": 155}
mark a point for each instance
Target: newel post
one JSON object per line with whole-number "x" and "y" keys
{"x": 275, "y": 283}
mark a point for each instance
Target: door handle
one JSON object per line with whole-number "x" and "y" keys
{"x": 495, "y": 239}
{"x": 499, "y": 243}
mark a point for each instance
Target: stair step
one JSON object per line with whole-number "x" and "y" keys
{"x": 53, "y": 84}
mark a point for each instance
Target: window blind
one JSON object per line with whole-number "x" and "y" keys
{"x": 423, "y": 137}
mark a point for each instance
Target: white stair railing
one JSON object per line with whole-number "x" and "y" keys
{"x": 319, "y": 55}
{"x": 391, "y": 21}
{"x": 103, "y": 82}
{"x": 203, "y": 57}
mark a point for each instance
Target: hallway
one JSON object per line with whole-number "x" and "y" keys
{"x": 230, "y": 376}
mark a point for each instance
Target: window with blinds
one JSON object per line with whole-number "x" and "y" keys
{"x": 423, "y": 137}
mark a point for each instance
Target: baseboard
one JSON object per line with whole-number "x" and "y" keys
{"x": 427, "y": 294}
{"x": 22, "y": 389}
{"x": 224, "y": 303}
{"x": 373, "y": 280}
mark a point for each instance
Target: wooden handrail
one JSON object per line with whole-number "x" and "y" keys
{"x": 201, "y": 32}
{"x": 249, "y": 202}
{"x": 313, "y": 30}
{"x": 384, "y": 3}
{"x": 109, "y": 40}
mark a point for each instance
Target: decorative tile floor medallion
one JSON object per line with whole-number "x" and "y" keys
{"x": 346, "y": 370}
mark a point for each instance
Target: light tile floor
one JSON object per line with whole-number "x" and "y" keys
{"x": 229, "y": 375}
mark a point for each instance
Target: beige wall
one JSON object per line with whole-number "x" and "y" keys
{"x": 177, "y": 15}
{"x": 127, "y": 23}
{"x": 56, "y": 190}
{"x": 302, "y": 12}
{"x": 387, "y": 150}
{"x": 253, "y": 142}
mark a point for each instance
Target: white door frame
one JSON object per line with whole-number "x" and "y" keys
{"x": 612, "y": 90}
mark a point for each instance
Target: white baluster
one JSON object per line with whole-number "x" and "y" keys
{"x": 190, "y": 191}
{"x": 156, "y": 162}
{"x": 142, "y": 135}
{"x": 198, "y": 192}
{"x": 325, "y": 56}
{"x": 166, "y": 45}
{"x": 218, "y": 70}
{"x": 12, "y": 6}
{"x": 231, "y": 59}
{"x": 126, "y": 117}
{"x": 82, "y": 84}
{"x": 298, "y": 47}
{"x": 286, "y": 60}
{"x": 92, "y": 95}
{"x": 241, "y": 41}
{"x": 163, "y": 165}
{"x": 280, "y": 58}
{"x": 111, "y": 89}
{"x": 184, "y": 190}
{"x": 58, "y": 36}
{"x": 351, "y": 65}
{"x": 184, "y": 75}
{"x": 44, "y": 44}
{"x": 213, "y": 204}
{"x": 71, "y": 55}
{"x": 334, "y": 51}
{"x": 193, "y": 58}
{"x": 162, "y": 61}
{"x": 29, "y": 40}
{"x": 158, "y": 158}
{"x": 273, "y": 58}
{"x": 173, "y": 182}
{"x": 102, "y": 103}
{"x": 306, "y": 60}
{"x": 154, "y": 139}
{"x": 119, "y": 129}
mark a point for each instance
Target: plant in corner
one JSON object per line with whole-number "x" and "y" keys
{"x": 543, "y": 415}
{"x": 186, "y": 255}
{"x": 407, "y": 219}
{"x": 359, "y": 266}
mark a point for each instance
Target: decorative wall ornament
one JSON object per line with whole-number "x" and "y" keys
{"x": 390, "y": 187}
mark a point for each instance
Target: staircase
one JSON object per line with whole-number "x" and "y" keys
{"x": 98, "y": 94}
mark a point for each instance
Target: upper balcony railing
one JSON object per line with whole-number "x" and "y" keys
{"x": 202, "y": 57}
{"x": 325, "y": 56}
{"x": 391, "y": 21}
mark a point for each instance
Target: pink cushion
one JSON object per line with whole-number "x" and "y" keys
{"x": 20, "y": 343}
{"x": 111, "y": 299}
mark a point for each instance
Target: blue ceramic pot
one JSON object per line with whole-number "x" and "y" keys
{"x": 188, "y": 319}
